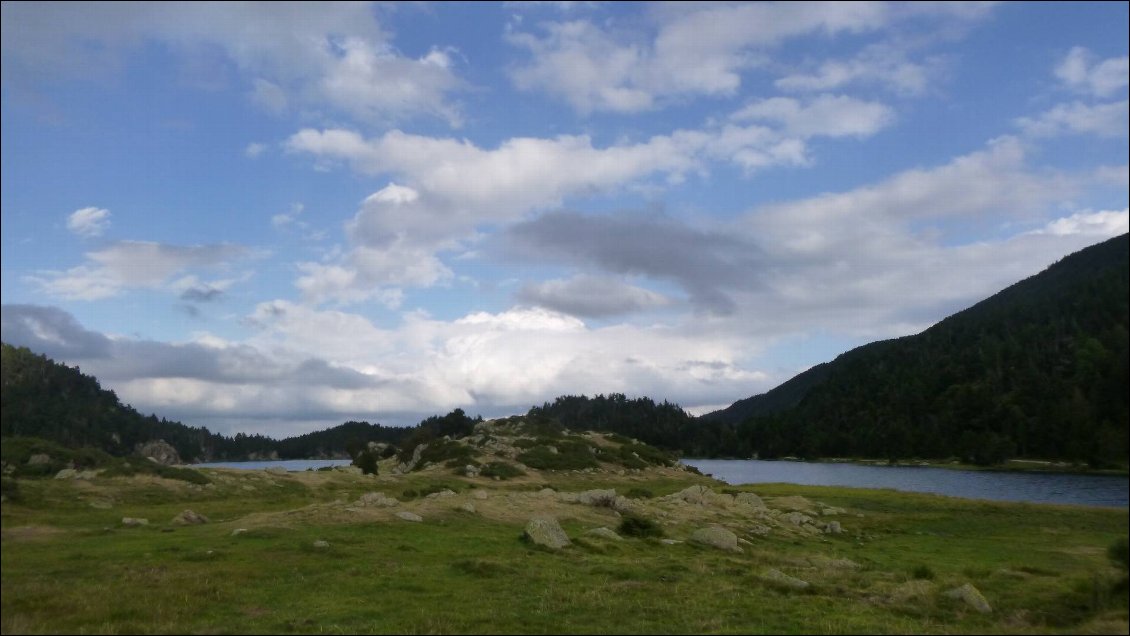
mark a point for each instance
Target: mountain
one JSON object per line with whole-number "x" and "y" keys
{"x": 1038, "y": 370}
{"x": 44, "y": 399}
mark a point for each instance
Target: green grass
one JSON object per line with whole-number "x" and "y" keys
{"x": 68, "y": 567}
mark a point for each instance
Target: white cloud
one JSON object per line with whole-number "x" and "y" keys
{"x": 88, "y": 222}
{"x": 325, "y": 55}
{"x": 826, "y": 115}
{"x": 132, "y": 264}
{"x": 591, "y": 296}
{"x": 1104, "y": 223}
{"x": 1079, "y": 72}
{"x": 879, "y": 64}
{"x": 704, "y": 49}
{"x": 254, "y": 149}
{"x": 1101, "y": 120}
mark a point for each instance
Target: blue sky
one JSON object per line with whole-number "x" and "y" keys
{"x": 277, "y": 217}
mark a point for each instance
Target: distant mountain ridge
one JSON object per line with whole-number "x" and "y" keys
{"x": 1039, "y": 369}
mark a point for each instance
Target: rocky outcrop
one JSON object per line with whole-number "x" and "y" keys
{"x": 547, "y": 532}
{"x": 410, "y": 465}
{"x": 159, "y": 451}
{"x": 377, "y": 499}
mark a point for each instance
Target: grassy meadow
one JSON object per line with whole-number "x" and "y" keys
{"x": 71, "y": 566}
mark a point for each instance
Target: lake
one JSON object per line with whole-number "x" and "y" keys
{"x": 1059, "y": 488}
{"x": 1034, "y": 487}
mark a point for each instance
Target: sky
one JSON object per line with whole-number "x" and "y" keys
{"x": 274, "y": 218}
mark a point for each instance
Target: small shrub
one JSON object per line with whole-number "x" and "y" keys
{"x": 637, "y": 526}
{"x": 922, "y": 572}
{"x": 502, "y": 470}
{"x": 366, "y": 460}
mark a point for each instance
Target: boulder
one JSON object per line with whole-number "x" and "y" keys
{"x": 134, "y": 522}
{"x": 605, "y": 498}
{"x": 39, "y": 458}
{"x": 699, "y": 495}
{"x": 748, "y": 499}
{"x": 446, "y": 492}
{"x": 972, "y": 597}
{"x": 545, "y": 531}
{"x": 468, "y": 507}
{"x": 833, "y": 527}
{"x": 159, "y": 451}
{"x": 470, "y": 471}
{"x": 409, "y": 516}
{"x": 321, "y": 545}
{"x": 776, "y": 577}
{"x": 716, "y": 537}
{"x": 238, "y": 531}
{"x": 410, "y": 465}
{"x": 189, "y": 518}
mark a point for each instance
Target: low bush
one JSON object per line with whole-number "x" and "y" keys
{"x": 636, "y": 526}
{"x": 502, "y": 470}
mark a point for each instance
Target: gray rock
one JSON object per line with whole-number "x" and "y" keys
{"x": 238, "y": 531}
{"x": 38, "y": 458}
{"x": 441, "y": 494}
{"x": 410, "y": 516}
{"x": 189, "y": 518}
{"x": 670, "y": 541}
{"x": 797, "y": 518}
{"x": 833, "y": 527}
{"x": 716, "y": 537}
{"x": 67, "y": 473}
{"x": 468, "y": 507}
{"x": 597, "y": 497}
{"x": 748, "y": 499}
{"x": 699, "y": 495}
{"x": 377, "y": 499}
{"x": 605, "y": 533}
{"x": 759, "y": 530}
{"x": 546, "y": 531}
{"x": 410, "y": 465}
{"x": 159, "y": 451}
{"x": 780, "y": 579}
{"x": 134, "y": 522}
{"x": 470, "y": 471}
{"x": 972, "y": 597}
{"x": 321, "y": 545}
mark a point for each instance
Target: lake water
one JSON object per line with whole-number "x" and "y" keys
{"x": 1087, "y": 490}
{"x": 1059, "y": 488}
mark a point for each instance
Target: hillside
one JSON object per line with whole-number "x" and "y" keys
{"x": 1038, "y": 370}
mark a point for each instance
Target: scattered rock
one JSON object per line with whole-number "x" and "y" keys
{"x": 409, "y": 516}
{"x": 699, "y": 495}
{"x": 972, "y": 597}
{"x": 546, "y": 531}
{"x": 759, "y": 530}
{"x": 833, "y": 527}
{"x": 797, "y": 518}
{"x": 441, "y": 494}
{"x": 470, "y": 471}
{"x": 597, "y": 497}
{"x": 829, "y": 511}
{"x": 377, "y": 499}
{"x": 238, "y": 531}
{"x": 321, "y": 545}
{"x": 780, "y": 579}
{"x": 605, "y": 533}
{"x": 716, "y": 537}
{"x": 134, "y": 522}
{"x": 189, "y": 518}
{"x": 408, "y": 466}
{"x": 468, "y": 507}
{"x": 159, "y": 451}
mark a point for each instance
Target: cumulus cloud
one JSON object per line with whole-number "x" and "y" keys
{"x": 826, "y": 115}
{"x": 880, "y": 64}
{"x": 1104, "y": 223}
{"x": 132, "y": 264}
{"x": 703, "y": 50}
{"x": 326, "y": 55}
{"x": 88, "y": 222}
{"x": 1079, "y": 71}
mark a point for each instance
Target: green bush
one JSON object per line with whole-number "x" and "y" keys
{"x": 636, "y": 526}
{"x": 639, "y": 493}
{"x": 366, "y": 460}
{"x": 502, "y": 470}
{"x": 570, "y": 455}
{"x": 923, "y": 572}
{"x": 646, "y": 453}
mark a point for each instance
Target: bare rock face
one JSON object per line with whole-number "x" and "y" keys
{"x": 159, "y": 451}
{"x": 546, "y": 531}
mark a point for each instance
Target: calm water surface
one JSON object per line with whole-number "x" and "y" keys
{"x": 1088, "y": 490}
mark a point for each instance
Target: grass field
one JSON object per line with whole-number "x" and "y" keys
{"x": 71, "y": 566}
